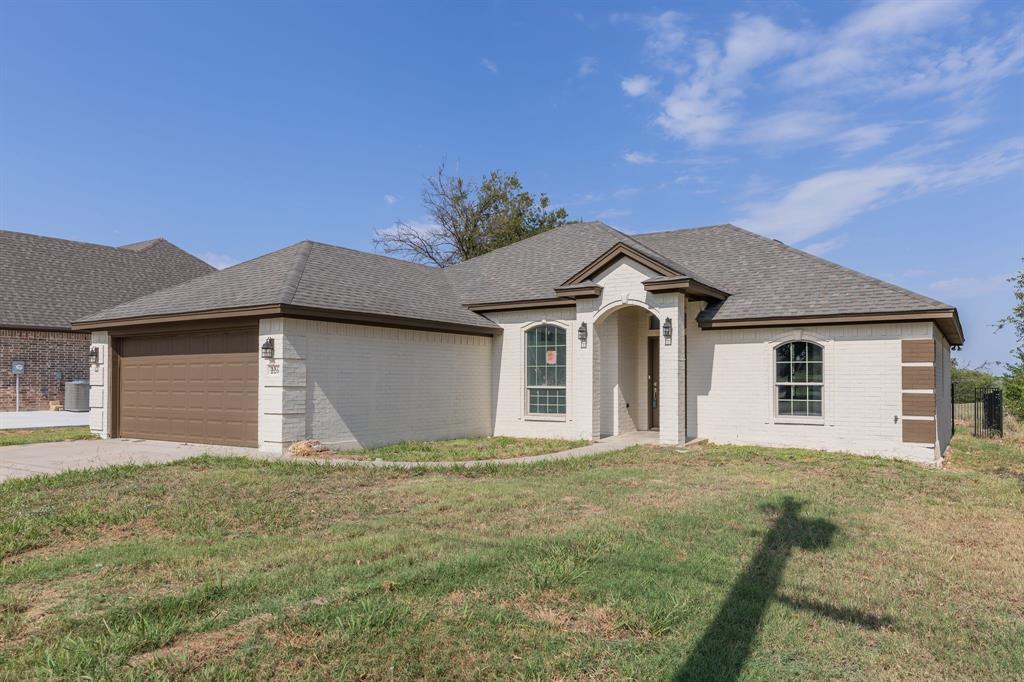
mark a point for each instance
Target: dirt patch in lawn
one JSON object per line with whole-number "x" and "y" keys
{"x": 555, "y": 609}
{"x": 205, "y": 646}
{"x": 105, "y": 536}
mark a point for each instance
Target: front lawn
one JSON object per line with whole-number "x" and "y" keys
{"x": 716, "y": 563}
{"x": 463, "y": 449}
{"x": 44, "y": 435}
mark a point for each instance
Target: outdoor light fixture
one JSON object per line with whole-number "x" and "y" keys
{"x": 94, "y": 355}
{"x": 581, "y": 334}
{"x": 666, "y": 331}
{"x": 267, "y": 349}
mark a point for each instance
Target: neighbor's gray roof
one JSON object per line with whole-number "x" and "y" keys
{"x": 314, "y": 275}
{"x": 763, "y": 277}
{"x": 49, "y": 283}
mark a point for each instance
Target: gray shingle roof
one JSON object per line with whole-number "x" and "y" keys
{"x": 763, "y": 277}
{"x": 314, "y": 275}
{"x": 766, "y": 278}
{"x": 49, "y": 283}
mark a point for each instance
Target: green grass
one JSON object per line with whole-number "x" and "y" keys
{"x": 46, "y": 435}
{"x": 463, "y": 449}
{"x": 721, "y": 563}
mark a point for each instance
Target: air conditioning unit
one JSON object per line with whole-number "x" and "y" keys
{"x": 76, "y": 396}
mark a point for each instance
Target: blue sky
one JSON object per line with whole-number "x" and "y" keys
{"x": 888, "y": 137}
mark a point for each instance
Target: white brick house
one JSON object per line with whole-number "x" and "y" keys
{"x": 580, "y": 332}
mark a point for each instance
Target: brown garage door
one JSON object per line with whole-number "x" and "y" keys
{"x": 198, "y": 387}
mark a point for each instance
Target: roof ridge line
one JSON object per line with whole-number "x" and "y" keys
{"x": 291, "y": 284}
{"x": 876, "y": 280}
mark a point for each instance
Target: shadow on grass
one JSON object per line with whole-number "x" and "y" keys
{"x": 728, "y": 641}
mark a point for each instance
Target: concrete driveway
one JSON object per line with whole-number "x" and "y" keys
{"x": 37, "y": 419}
{"x": 19, "y": 461}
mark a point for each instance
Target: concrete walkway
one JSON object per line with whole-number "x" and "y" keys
{"x": 20, "y": 461}
{"x": 610, "y": 444}
{"x": 37, "y": 419}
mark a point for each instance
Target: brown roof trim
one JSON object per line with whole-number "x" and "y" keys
{"x": 522, "y": 304}
{"x": 947, "y": 320}
{"x": 619, "y": 250}
{"x": 305, "y": 313}
{"x": 271, "y": 310}
{"x": 577, "y": 291}
{"x": 37, "y": 328}
{"x": 685, "y": 285}
{"x": 279, "y": 310}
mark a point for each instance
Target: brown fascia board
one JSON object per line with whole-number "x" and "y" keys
{"x": 687, "y": 286}
{"x": 579, "y": 291}
{"x": 521, "y": 304}
{"x": 946, "y": 319}
{"x": 619, "y": 250}
{"x": 279, "y": 310}
{"x": 37, "y": 328}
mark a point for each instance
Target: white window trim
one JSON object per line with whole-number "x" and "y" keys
{"x": 826, "y": 383}
{"x": 524, "y": 402}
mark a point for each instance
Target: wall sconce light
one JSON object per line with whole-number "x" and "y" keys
{"x": 581, "y": 334}
{"x": 267, "y": 349}
{"x": 94, "y": 355}
{"x": 666, "y": 331}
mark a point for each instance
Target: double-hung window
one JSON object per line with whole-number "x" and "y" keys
{"x": 799, "y": 379}
{"x": 545, "y": 370}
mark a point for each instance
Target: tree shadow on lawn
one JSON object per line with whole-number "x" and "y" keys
{"x": 728, "y": 642}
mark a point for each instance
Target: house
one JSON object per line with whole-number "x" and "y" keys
{"x": 578, "y": 332}
{"x": 47, "y": 283}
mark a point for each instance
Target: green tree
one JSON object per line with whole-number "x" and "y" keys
{"x": 470, "y": 218}
{"x": 1013, "y": 378}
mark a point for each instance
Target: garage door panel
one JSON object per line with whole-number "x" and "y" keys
{"x": 198, "y": 387}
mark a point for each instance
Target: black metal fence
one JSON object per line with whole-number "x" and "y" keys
{"x": 980, "y": 409}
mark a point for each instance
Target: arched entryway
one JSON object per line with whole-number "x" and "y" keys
{"x": 626, "y": 370}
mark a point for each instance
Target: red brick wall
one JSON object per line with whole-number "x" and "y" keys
{"x": 44, "y": 353}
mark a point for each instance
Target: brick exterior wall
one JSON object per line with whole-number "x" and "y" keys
{"x": 44, "y": 353}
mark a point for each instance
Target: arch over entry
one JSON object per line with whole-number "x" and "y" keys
{"x": 625, "y": 386}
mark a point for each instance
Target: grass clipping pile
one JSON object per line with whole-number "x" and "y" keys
{"x": 308, "y": 448}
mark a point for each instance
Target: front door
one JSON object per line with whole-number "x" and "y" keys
{"x": 652, "y": 382}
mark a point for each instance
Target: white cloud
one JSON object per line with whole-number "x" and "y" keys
{"x": 865, "y": 137}
{"x": 639, "y": 158}
{"x": 967, "y": 287}
{"x": 488, "y": 64}
{"x": 826, "y": 245}
{"x": 828, "y": 200}
{"x": 665, "y": 33}
{"x": 218, "y": 260}
{"x": 861, "y": 42}
{"x": 391, "y": 199}
{"x": 699, "y": 109}
{"x": 613, "y": 213}
{"x": 820, "y": 203}
{"x": 625, "y": 193}
{"x": 587, "y": 67}
{"x": 638, "y": 85}
{"x": 791, "y": 126}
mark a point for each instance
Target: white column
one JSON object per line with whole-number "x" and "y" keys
{"x": 587, "y": 374}
{"x": 282, "y": 390}
{"x": 99, "y": 386}
{"x": 672, "y": 370}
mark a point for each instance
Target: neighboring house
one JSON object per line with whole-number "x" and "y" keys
{"x": 579, "y": 332}
{"x": 47, "y": 283}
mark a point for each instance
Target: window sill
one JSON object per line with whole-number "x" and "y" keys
{"x": 810, "y": 421}
{"x": 544, "y": 418}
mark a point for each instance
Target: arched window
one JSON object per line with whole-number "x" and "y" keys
{"x": 545, "y": 369}
{"x": 799, "y": 378}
